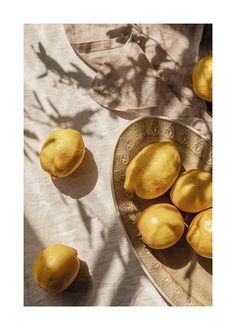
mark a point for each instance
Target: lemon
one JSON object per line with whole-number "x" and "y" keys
{"x": 55, "y": 268}
{"x": 199, "y": 234}
{"x": 161, "y": 225}
{"x": 202, "y": 78}
{"x": 192, "y": 191}
{"x": 62, "y": 152}
{"x": 153, "y": 170}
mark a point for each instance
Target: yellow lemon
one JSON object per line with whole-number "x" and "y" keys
{"x": 55, "y": 268}
{"x": 153, "y": 170}
{"x": 62, "y": 152}
{"x": 161, "y": 225}
{"x": 192, "y": 191}
{"x": 202, "y": 78}
{"x": 199, "y": 234}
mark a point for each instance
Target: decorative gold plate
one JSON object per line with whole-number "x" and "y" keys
{"x": 179, "y": 274}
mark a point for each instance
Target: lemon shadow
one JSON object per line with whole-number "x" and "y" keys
{"x": 176, "y": 256}
{"x": 82, "y": 181}
{"x": 82, "y": 284}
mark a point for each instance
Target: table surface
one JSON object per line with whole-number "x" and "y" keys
{"x": 78, "y": 210}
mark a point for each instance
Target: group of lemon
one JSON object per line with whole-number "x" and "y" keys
{"x": 156, "y": 170}
{"x": 150, "y": 174}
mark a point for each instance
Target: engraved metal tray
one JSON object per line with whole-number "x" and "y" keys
{"x": 178, "y": 273}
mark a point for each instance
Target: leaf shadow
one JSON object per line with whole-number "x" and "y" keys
{"x": 75, "y": 77}
{"x": 177, "y": 78}
{"x": 32, "y": 246}
{"x": 29, "y": 137}
{"x": 49, "y": 115}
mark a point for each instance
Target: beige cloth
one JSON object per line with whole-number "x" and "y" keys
{"x": 78, "y": 210}
{"x": 144, "y": 69}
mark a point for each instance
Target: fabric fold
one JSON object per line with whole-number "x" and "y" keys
{"x": 144, "y": 69}
{"x": 128, "y": 81}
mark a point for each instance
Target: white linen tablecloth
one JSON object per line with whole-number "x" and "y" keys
{"x": 78, "y": 210}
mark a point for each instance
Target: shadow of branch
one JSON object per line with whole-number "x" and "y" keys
{"x": 74, "y": 77}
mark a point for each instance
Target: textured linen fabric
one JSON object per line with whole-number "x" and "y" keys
{"x": 144, "y": 68}
{"x": 78, "y": 210}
